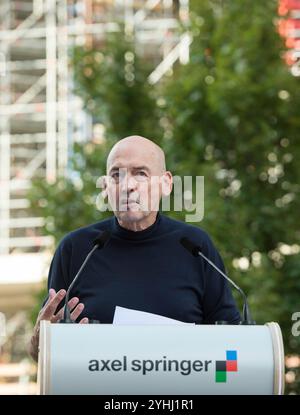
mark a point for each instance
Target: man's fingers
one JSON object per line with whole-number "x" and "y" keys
{"x": 78, "y": 310}
{"x": 49, "y": 309}
{"x": 51, "y": 294}
{"x": 71, "y": 304}
{"x": 84, "y": 320}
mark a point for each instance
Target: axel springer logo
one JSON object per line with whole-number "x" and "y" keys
{"x": 224, "y": 366}
{"x": 182, "y": 367}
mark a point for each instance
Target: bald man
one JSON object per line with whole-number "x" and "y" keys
{"x": 143, "y": 266}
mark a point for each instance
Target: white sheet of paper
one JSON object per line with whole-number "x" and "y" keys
{"x": 128, "y": 316}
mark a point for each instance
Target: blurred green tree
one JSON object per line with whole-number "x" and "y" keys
{"x": 113, "y": 85}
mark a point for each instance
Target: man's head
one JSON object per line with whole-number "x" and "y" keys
{"x": 136, "y": 178}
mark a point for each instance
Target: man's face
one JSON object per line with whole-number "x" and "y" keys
{"x": 133, "y": 183}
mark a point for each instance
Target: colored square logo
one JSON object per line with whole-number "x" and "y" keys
{"x": 224, "y": 366}
{"x": 231, "y": 366}
{"x": 221, "y": 377}
{"x": 221, "y": 365}
{"x": 231, "y": 355}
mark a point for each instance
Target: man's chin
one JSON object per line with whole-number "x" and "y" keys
{"x": 131, "y": 216}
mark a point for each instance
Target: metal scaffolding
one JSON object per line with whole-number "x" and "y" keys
{"x": 39, "y": 116}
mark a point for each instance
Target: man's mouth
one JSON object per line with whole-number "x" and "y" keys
{"x": 127, "y": 204}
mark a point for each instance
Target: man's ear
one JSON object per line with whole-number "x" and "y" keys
{"x": 166, "y": 183}
{"x": 102, "y": 184}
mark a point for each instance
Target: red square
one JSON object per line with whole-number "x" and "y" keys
{"x": 231, "y": 366}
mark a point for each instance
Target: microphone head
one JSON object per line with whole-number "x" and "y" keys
{"x": 101, "y": 239}
{"x": 190, "y": 246}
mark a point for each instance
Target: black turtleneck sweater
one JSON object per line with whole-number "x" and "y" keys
{"x": 146, "y": 270}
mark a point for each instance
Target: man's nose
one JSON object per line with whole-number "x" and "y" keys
{"x": 128, "y": 183}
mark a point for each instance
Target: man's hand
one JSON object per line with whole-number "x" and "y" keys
{"x": 47, "y": 313}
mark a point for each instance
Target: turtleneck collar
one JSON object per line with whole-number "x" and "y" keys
{"x": 124, "y": 233}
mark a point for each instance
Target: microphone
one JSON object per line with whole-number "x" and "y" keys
{"x": 196, "y": 251}
{"x": 98, "y": 243}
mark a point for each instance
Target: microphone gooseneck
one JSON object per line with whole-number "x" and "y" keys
{"x": 98, "y": 243}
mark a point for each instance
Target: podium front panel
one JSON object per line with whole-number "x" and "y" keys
{"x": 175, "y": 360}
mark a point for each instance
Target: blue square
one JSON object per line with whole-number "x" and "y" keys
{"x": 231, "y": 355}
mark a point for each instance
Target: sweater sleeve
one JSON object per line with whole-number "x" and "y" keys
{"x": 58, "y": 276}
{"x": 219, "y": 304}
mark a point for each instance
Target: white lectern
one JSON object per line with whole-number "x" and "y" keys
{"x": 105, "y": 359}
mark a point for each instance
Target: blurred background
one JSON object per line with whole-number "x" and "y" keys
{"x": 214, "y": 82}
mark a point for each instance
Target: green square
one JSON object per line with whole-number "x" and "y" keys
{"x": 220, "y": 377}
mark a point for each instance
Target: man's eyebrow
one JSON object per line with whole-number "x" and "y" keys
{"x": 114, "y": 168}
{"x": 141, "y": 168}
{"x": 133, "y": 168}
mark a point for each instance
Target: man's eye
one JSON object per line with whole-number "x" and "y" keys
{"x": 141, "y": 173}
{"x": 115, "y": 175}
